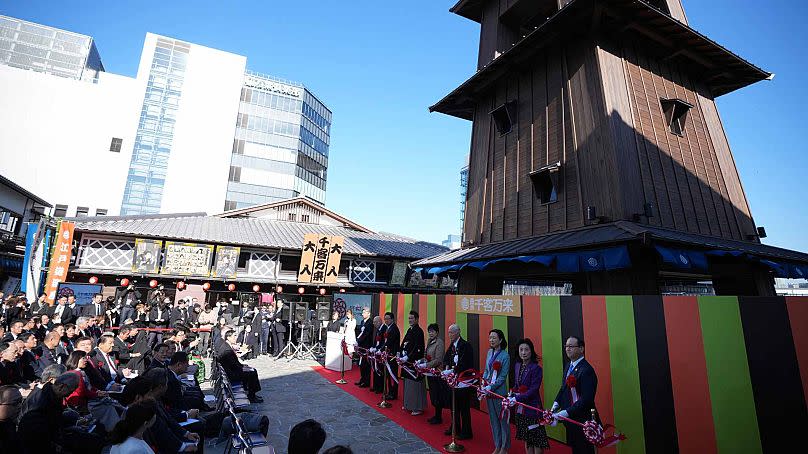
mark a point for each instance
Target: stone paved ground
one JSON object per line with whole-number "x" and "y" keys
{"x": 293, "y": 392}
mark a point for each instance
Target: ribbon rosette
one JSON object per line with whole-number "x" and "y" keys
{"x": 546, "y": 418}
{"x": 345, "y": 348}
{"x": 572, "y": 383}
{"x": 507, "y": 403}
{"x": 596, "y": 434}
{"x": 497, "y": 366}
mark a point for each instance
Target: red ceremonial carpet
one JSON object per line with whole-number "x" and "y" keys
{"x": 432, "y": 434}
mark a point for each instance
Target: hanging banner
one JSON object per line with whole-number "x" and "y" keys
{"x": 399, "y": 276}
{"x": 226, "y": 261}
{"x": 187, "y": 259}
{"x": 334, "y": 258}
{"x": 60, "y": 260}
{"x": 319, "y": 263}
{"x": 147, "y": 256}
{"x": 508, "y": 305}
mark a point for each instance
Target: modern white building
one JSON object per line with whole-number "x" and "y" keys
{"x": 193, "y": 131}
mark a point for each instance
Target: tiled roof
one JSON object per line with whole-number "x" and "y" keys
{"x": 255, "y": 232}
{"x": 602, "y": 234}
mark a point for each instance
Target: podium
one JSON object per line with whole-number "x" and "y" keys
{"x": 333, "y": 352}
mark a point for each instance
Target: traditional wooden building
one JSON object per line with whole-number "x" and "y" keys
{"x": 257, "y": 246}
{"x": 595, "y": 127}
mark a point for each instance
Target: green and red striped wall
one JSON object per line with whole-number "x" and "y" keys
{"x": 675, "y": 374}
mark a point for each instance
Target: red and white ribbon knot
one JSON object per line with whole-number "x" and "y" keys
{"x": 507, "y": 403}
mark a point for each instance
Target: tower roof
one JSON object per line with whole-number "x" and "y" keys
{"x": 722, "y": 71}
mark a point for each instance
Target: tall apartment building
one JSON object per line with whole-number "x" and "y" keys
{"x": 192, "y": 131}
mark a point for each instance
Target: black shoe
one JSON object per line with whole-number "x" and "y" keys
{"x": 434, "y": 420}
{"x": 463, "y": 437}
{"x": 389, "y": 397}
{"x": 359, "y": 383}
{"x": 363, "y": 385}
{"x": 448, "y": 431}
{"x": 256, "y": 399}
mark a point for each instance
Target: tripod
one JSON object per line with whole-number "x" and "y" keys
{"x": 303, "y": 350}
{"x": 318, "y": 347}
{"x": 289, "y": 348}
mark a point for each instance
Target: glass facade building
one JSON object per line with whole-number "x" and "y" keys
{"x": 36, "y": 47}
{"x": 280, "y": 148}
{"x": 155, "y": 132}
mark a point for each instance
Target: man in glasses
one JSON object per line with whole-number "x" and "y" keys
{"x": 576, "y": 398}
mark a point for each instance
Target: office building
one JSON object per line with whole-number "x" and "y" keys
{"x": 280, "y": 149}
{"x": 193, "y": 131}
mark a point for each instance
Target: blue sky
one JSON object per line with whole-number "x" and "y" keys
{"x": 379, "y": 64}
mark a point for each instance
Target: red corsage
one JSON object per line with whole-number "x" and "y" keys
{"x": 378, "y": 339}
{"x": 521, "y": 389}
{"x": 428, "y": 358}
{"x": 572, "y": 382}
{"x": 100, "y": 364}
{"x": 497, "y": 366}
{"x": 117, "y": 362}
{"x": 385, "y": 334}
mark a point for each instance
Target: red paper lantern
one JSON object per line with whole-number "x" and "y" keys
{"x": 93, "y": 280}
{"x": 180, "y": 285}
{"x": 256, "y": 288}
{"x": 206, "y": 286}
{"x": 153, "y": 283}
{"x": 124, "y": 282}
{"x": 279, "y": 289}
{"x": 301, "y": 290}
{"x": 231, "y": 287}
{"x": 322, "y": 291}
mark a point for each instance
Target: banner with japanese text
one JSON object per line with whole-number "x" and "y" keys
{"x": 187, "y": 259}
{"x": 508, "y": 305}
{"x": 319, "y": 263}
{"x": 60, "y": 260}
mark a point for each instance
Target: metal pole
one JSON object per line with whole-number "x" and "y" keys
{"x": 454, "y": 446}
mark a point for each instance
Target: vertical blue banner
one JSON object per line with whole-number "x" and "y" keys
{"x": 30, "y": 250}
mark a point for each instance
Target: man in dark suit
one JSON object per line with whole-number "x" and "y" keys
{"x": 104, "y": 359}
{"x": 278, "y": 331}
{"x": 576, "y": 398}
{"x": 75, "y": 310}
{"x": 392, "y": 343}
{"x": 95, "y": 308}
{"x": 365, "y": 340}
{"x": 60, "y": 313}
{"x": 460, "y": 357}
{"x": 159, "y": 318}
{"x": 236, "y": 371}
{"x": 179, "y": 314}
{"x": 378, "y": 343}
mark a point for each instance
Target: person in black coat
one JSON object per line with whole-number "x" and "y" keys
{"x": 61, "y": 313}
{"x": 576, "y": 398}
{"x": 159, "y": 318}
{"x": 365, "y": 340}
{"x": 459, "y": 357}
{"x": 378, "y": 342}
{"x": 278, "y": 331}
{"x": 392, "y": 343}
{"x": 41, "y": 415}
{"x": 236, "y": 371}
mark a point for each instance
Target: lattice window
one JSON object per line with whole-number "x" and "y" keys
{"x": 363, "y": 271}
{"x": 106, "y": 253}
{"x": 262, "y": 264}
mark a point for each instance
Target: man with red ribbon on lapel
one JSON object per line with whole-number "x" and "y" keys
{"x": 576, "y": 398}
{"x": 392, "y": 343}
{"x": 378, "y": 371}
{"x": 459, "y": 358}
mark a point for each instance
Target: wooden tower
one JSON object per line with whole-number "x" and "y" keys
{"x": 595, "y": 111}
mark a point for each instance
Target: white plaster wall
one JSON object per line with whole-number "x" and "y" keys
{"x": 199, "y": 163}
{"x": 55, "y": 135}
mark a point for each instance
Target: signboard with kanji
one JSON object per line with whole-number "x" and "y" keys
{"x": 509, "y": 305}
{"x": 226, "y": 261}
{"x": 60, "y": 260}
{"x": 319, "y": 263}
{"x": 147, "y": 256}
{"x": 187, "y": 259}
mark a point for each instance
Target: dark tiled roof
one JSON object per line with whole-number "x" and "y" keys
{"x": 602, "y": 234}
{"x": 255, "y": 232}
{"x": 731, "y": 71}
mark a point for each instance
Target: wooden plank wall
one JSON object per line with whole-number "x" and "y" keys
{"x": 681, "y": 175}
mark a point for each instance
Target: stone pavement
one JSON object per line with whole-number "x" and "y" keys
{"x": 293, "y": 392}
